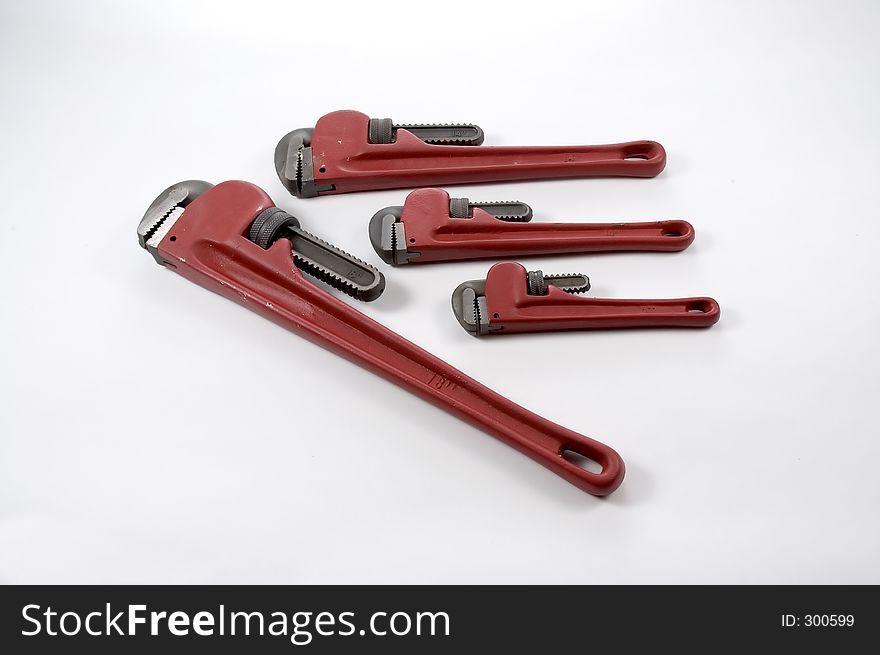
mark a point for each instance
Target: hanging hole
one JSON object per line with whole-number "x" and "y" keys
{"x": 412, "y": 240}
{"x": 173, "y": 238}
{"x": 496, "y": 315}
{"x": 582, "y": 461}
{"x": 669, "y": 232}
{"x": 636, "y": 157}
{"x": 697, "y": 308}
{"x": 323, "y": 169}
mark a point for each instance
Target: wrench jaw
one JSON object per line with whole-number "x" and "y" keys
{"x": 469, "y": 307}
{"x": 384, "y": 131}
{"x": 314, "y": 256}
{"x": 296, "y": 166}
{"x": 163, "y": 213}
{"x": 573, "y": 283}
{"x": 504, "y": 210}
{"x": 388, "y": 236}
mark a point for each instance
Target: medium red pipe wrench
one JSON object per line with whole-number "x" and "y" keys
{"x": 231, "y": 239}
{"x": 512, "y": 300}
{"x": 432, "y": 227}
{"x": 348, "y": 151}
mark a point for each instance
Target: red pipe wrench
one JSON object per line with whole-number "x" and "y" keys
{"x": 231, "y": 239}
{"x": 432, "y": 227}
{"x": 348, "y": 151}
{"x": 512, "y": 300}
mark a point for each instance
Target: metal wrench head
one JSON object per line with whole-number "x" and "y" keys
{"x": 469, "y": 307}
{"x": 294, "y": 164}
{"x": 388, "y": 236}
{"x": 164, "y": 212}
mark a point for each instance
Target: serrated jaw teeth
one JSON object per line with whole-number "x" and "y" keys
{"x": 335, "y": 267}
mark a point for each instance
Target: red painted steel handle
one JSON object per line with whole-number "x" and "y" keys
{"x": 438, "y": 237}
{"x": 525, "y": 239}
{"x": 512, "y": 309}
{"x": 345, "y": 159}
{"x": 209, "y": 247}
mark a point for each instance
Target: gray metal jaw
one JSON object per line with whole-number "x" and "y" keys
{"x": 504, "y": 210}
{"x": 295, "y": 165}
{"x": 469, "y": 307}
{"x": 289, "y": 157}
{"x": 164, "y": 212}
{"x": 316, "y": 257}
{"x": 388, "y": 236}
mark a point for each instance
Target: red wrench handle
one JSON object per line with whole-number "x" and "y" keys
{"x": 436, "y": 236}
{"x": 209, "y": 248}
{"x": 512, "y": 309}
{"x": 345, "y": 159}
{"x": 516, "y": 239}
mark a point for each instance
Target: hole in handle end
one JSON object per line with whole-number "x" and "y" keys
{"x": 591, "y": 466}
{"x": 582, "y": 461}
{"x": 704, "y": 311}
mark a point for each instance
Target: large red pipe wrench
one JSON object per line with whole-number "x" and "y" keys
{"x": 348, "y": 151}
{"x": 432, "y": 227}
{"x": 231, "y": 239}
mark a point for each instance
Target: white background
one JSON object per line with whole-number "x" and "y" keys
{"x": 153, "y": 432}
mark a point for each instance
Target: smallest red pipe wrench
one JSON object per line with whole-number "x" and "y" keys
{"x": 512, "y": 300}
{"x": 432, "y": 227}
{"x": 349, "y": 151}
